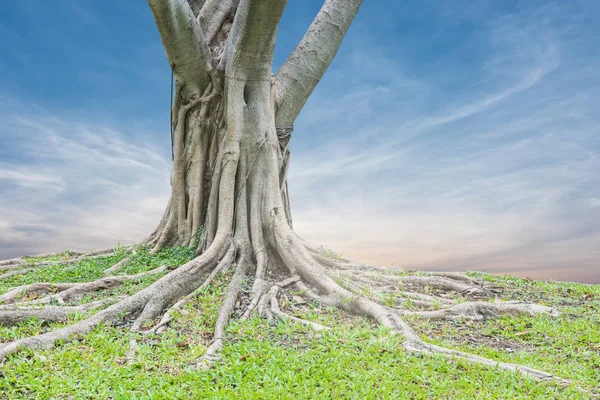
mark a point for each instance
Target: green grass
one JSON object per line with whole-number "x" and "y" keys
{"x": 261, "y": 360}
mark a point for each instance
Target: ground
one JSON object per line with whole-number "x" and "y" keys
{"x": 277, "y": 359}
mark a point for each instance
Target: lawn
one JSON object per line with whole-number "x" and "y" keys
{"x": 280, "y": 360}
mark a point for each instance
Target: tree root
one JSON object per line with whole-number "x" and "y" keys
{"x": 13, "y": 315}
{"x": 447, "y": 284}
{"x": 80, "y": 255}
{"x": 482, "y": 310}
{"x": 277, "y": 311}
{"x": 314, "y": 276}
{"x": 320, "y": 286}
{"x": 68, "y": 292}
{"x": 131, "y": 354}
{"x": 115, "y": 268}
{"x": 168, "y": 315}
{"x": 212, "y": 353}
{"x": 427, "y": 348}
{"x": 16, "y": 272}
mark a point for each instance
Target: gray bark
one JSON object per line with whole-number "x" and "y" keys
{"x": 183, "y": 40}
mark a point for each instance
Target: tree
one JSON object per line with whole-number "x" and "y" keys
{"x": 232, "y": 121}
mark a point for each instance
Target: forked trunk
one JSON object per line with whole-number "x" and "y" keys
{"x": 200, "y": 129}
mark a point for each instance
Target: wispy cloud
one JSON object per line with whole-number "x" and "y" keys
{"x": 497, "y": 179}
{"x": 483, "y": 158}
{"x": 76, "y": 185}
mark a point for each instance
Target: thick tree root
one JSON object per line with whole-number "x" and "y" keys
{"x": 12, "y": 315}
{"x": 68, "y": 292}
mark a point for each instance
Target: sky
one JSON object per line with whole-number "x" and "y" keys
{"x": 446, "y": 135}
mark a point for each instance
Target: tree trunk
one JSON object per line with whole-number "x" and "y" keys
{"x": 199, "y": 130}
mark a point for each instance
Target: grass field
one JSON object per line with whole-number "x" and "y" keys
{"x": 279, "y": 360}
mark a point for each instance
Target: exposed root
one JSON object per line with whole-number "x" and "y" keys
{"x": 168, "y": 315}
{"x": 277, "y": 311}
{"x": 33, "y": 290}
{"x": 258, "y": 292}
{"x": 457, "y": 276}
{"x": 68, "y": 292}
{"x": 317, "y": 282}
{"x": 212, "y": 353}
{"x": 80, "y": 255}
{"x": 16, "y": 272}
{"x": 22, "y": 266}
{"x": 482, "y": 310}
{"x": 12, "y": 315}
{"x": 459, "y": 355}
{"x": 333, "y": 282}
{"x": 426, "y": 297}
{"x": 178, "y": 283}
{"x": 446, "y": 284}
{"x": 264, "y": 303}
{"x": 131, "y": 354}
{"x": 49, "y": 340}
{"x": 115, "y": 268}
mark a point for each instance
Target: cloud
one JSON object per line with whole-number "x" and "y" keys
{"x": 497, "y": 179}
{"x": 74, "y": 184}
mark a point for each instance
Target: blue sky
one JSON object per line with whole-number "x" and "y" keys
{"x": 446, "y": 134}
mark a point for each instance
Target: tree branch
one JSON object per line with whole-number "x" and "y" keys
{"x": 252, "y": 39}
{"x": 304, "y": 68}
{"x": 183, "y": 40}
{"x": 213, "y": 14}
